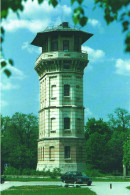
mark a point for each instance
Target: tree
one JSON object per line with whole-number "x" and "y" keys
{"x": 19, "y": 141}
{"x": 126, "y": 152}
{"x": 107, "y": 143}
{"x": 114, "y": 151}
{"x": 120, "y": 119}
{"x": 97, "y": 126}
{"x": 97, "y": 135}
{"x": 113, "y": 10}
{"x": 119, "y": 144}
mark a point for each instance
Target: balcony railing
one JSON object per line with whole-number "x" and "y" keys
{"x": 62, "y": 54}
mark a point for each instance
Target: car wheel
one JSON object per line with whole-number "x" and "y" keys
{"x": 89, "y": 184}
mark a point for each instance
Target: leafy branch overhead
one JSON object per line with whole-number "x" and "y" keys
{"x": 113, "y": 10}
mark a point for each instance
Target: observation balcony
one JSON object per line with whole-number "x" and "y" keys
{"x": 62, "y": 55}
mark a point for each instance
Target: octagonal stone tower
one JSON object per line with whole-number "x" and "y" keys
{"x": 60, "y": 68}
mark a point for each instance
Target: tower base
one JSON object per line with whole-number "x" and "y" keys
{"x": 64, "y": 167}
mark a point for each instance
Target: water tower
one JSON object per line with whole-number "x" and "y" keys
{"x": 60, "y": 68}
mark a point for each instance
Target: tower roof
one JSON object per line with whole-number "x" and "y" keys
{"x": 62, "y": 29}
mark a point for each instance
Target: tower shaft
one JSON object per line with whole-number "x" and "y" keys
{"x": 60, "y": 67}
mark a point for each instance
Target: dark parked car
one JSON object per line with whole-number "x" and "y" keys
{"x": 76, "y": 177}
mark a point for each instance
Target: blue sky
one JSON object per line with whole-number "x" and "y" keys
{"x": 106, "y": 78}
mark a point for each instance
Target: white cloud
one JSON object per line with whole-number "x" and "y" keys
{"x": 30, "y": 49}
{"x": 32, "y": 25}
{"x": 3, "y": 103}
{"x": 8, "y": 86}
{"x": 16, "y": 73}
{"x": 93, "y": 54}
{"x": 94, "y": 22}
{"x": 35, "y": 17}
{"x": 122, "y": 67}
{"x": 87, "y": 112}
{"x": 67, "y": 10}
{"x": 12, "y": 82}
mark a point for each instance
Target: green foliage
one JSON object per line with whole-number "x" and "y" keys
{"x": 7, "y": 72}
{"x": 14, "y": 171}
{"x": 54, "y": 3}
{"x": 105, "y": 142}
{"x": 21, "y": 133}
{"x": 47, "y": 190}
{"x": 3, "y": 64}
{"x": 116, "y": 173}
{"x": 127, "y": 42}
{"x": 97, "y": 126}
{"x": 40, "y": 1}
{"x": 56, "y": 172}
{"x": 120, "y": 119}
{"x": 116, "y": 10}
{"x": 93, "y": 173}
{"x": 126, "y": 152}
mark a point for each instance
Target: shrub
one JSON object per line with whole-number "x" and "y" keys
{"x": 26, "y": 172}
{"x": 93, "y": 173}
{"x": 56, "y": 172}
{"x": 11, "y": 171}
{"x": 116, "y": 173}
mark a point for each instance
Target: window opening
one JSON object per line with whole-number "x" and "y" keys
{"x": 76, "y": 44}
{"x": 66, "y": 67}
{"x": 65, "y": 45}
{"x": 78, "y": 124}
{"x": 67, "y": 151}
{"x": 53, "y": 90}
{"x": 45, "y": 46}
{"x": 51, "y": 153}
{"x": 54, "y": 44}
{"x": 66, "y": 90}
{"x": 66, "y": 123}
{"x": 53, "y": 124}
{"x": 43, "y": 153}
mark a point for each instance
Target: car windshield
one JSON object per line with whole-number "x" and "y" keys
{"x": 77, "y": 173}
{"x": 83, "y": 174}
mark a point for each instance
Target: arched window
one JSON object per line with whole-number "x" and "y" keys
{"x": 67, "y": 90}
{"x": 53, "y": 124}
{"x": 43, "y": 153}
{"x": 53, "y": 91}
{"x": 67, "y": 151}
{"x": 51, "y": 153}
{"x": 66, "y": 123}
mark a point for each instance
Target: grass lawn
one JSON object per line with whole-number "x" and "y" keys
{"x": 47, "y": 190}
{"x": 128, "y": 187}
